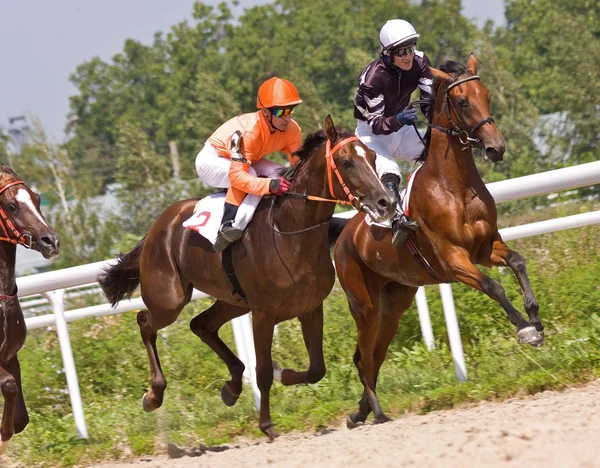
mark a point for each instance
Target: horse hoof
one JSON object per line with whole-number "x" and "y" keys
{"x": 530, "y": 336}
{"x": 229, "y": 398}
{"x": 147, "y": 407}
{"x": 3, "y": 446}
{"x": 381, "y": 419}
{"x": 354, "y": 420}
{"x": 271, "y": 433}
{"x": 276, "y": 371}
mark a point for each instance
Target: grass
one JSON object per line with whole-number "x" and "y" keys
{"x": 113, "y": 374}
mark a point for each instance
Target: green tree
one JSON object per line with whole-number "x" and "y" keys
{"x": 552, "y": 48}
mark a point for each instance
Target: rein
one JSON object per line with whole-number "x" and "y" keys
{"x": 464, "y": 136}
{"x": 331, "y": 167}
{"x": 10, "y": 232}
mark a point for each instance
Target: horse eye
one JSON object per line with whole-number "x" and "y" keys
{"x": 347, "y": 164}
{"x": 462, "y": 103}
{"x": 12, "y": 207}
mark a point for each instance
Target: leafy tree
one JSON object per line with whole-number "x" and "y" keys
{"x": 553, "y": 50}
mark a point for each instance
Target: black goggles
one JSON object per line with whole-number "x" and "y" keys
{"x": 404, "y": 51}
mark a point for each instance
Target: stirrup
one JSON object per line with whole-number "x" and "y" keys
{"x": 407, "y": 224}
{"x": 399, "y": 236}
{"x": 227, "y": 235}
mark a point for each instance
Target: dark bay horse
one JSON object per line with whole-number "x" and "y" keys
{"x": 282, "y": 263}
{"x": 21, "y": 222}
{"x": 457, "y": 219}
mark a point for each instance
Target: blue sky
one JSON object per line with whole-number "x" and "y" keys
{"x": 42, "y": 42}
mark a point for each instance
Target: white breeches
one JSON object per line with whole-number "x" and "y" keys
{"x": 404, "y": 144}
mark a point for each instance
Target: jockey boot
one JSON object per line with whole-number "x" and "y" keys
{"x": 402, "y": 225}
{"x": 227, "y": 233}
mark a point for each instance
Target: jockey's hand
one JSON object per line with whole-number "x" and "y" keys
{"x": 279, "y": 186}
{"x": 408, "y": 116}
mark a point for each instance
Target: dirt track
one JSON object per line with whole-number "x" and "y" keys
{"x": 548, "y": 429}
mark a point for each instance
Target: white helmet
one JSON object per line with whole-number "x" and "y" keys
{"x": 397, "y": 33}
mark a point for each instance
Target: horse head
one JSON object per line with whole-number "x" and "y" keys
{"x": 356, "y": 180}
{"x": 21, "y": 219}
{"x": 466, "y": 102}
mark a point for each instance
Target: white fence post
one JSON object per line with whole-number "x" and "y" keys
{"x": 453, "y": 332}
{"x": 56, "y": 299}
{"x": 424, "y": 319}
{"x": 244, "y": 343}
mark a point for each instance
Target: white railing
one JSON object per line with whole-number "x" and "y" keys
{"x": 52, "y": 284}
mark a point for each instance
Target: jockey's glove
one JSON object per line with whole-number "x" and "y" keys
{"x": 408, "y": 116}
{"x": 279, "y": 186}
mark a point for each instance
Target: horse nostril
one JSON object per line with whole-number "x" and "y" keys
{"x": 383, "y": 203}
{"x": 52, "y": 242}
{"x": 492, "y": 153}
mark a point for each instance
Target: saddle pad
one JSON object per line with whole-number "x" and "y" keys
{"x": 207, "y": 216}
{"x": 405, "y": 198}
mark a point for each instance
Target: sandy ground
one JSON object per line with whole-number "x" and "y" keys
{"x": 550, "y": 429}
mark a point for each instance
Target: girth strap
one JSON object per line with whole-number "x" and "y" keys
{"x": 227, "y": 260}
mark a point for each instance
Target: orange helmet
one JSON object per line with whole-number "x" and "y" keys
{"x": 277, "y": 92}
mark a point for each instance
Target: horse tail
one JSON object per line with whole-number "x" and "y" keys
{"x": 336, "y": 226}
{"x": 121, "y": 279}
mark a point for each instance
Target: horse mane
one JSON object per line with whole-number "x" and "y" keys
{"x": 452, "y": 68}
{"x": 312, "y": 142}
{"x": 455, "y": 68}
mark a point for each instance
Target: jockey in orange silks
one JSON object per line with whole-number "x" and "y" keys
{"x": 232, "y": 157}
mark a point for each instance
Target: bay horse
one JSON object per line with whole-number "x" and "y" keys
{"x": 458, "y": 229}
{"x": 282, "y": 263}
{"x": 21, "y": 222}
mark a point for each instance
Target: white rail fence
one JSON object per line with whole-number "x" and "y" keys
{"x": 52, "y": 285}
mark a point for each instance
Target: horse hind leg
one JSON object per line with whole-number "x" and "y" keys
{"x": 153, "y": 398}
{"x": 206, "y": 326}
{"x": 312, "y": 332}
{"x": 395, "y": 300}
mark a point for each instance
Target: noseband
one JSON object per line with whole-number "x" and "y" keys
{"x": 464, "y": 136}
{"x": 10, "y": 232}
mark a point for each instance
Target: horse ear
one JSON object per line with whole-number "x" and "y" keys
{"x": 440, "y": 75}
{"x": 472, "y": 64}
{"x": 9, "y": 170}
{"x": 330, "y": 130}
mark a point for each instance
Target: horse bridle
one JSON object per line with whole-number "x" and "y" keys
{"x": 10, "y": 232}
{"x": 331, "y": 168}
{"x": 464, "y": 136}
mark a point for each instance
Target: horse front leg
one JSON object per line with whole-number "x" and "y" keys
{"x": 262, "y": 330}
{"x": 465, "y": 272}
{"x": 312, "y": 332}
{"x": 206, "y": 326}
{"x": 502, "y": 255}
{"x": 21, "y": 415}
{"x": 10, "y": 390}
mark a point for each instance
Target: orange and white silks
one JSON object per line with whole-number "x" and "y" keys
{"x": 257, "y": 142}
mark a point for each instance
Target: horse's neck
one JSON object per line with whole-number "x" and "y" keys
{"x": 8, "y": 253}
{"x": 311, "y": 179}
{"x": 449, "y": 157}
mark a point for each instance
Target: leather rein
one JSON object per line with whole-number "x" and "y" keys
{"x": 331, "y": 168}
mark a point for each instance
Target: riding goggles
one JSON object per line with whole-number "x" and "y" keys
{"x": 282, "y": 113}
{"x": 404, "y": 51}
